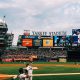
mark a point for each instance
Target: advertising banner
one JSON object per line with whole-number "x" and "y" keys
{"x": 30, "y": 36}
{"x": 59, "y": 41}
{"x": 69, "y": 40}
{"x": 47, "y": 42}
{"x": 37, "y": 42}
{"x": 27, "y": 42}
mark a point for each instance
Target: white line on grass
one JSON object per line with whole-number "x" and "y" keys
{"x": 51, "y": 74}
{"x": 55, "y": 74}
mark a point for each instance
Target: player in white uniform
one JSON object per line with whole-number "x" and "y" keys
{"x": 30, "y": 70}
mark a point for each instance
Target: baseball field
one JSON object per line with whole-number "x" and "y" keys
{"x": 45, "y": 71}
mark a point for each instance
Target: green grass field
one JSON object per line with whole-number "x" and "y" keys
{"x": 46, "y": 69}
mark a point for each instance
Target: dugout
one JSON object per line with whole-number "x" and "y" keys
{"x": 73, "y": 56}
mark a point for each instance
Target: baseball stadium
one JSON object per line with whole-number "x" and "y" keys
{"x": 54, "y": 55}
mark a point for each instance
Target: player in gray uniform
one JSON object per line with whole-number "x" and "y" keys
{"x": 22, "y": 75}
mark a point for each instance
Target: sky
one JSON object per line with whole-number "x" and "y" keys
{"x": 40, "y": 15}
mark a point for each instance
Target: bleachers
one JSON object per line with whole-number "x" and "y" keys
{"x": 35, "y": 54}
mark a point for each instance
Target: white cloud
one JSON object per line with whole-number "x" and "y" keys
{"x": 7, "y": 5}
{"x": 43, "y": 15}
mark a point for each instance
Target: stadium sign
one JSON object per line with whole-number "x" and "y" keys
{"x": 42, "y": 37}
{"x": 61, "y": 33}
{"x": 29, "y": 36}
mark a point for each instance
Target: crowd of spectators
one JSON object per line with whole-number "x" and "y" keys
{"x": 37, "y": 54}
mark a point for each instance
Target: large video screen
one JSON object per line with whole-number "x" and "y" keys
{"x": 27, "y": 42}
{"x": 75, "y": 31}
{"x": 47, "y": 42}
{"x": 37, "y": 42}
{"x": 79, "y": 38}
{"x": 59, "y": 41}
{"x": 69, "y": 40}
{"x": 75, "y": 40}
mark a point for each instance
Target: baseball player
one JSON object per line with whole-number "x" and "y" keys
{"x": 22, "y": 75}
{"x": 30, "y": 70}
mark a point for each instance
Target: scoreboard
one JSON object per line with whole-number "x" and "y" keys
{"x": 48, "y": 41}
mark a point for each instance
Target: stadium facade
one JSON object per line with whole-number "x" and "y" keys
{"x": 5, "y": 38}
{"x": 3, "y": 32}
{"x": 9, "y": 37}
{"x": 60, "y": 46}
{"x": 43, "y": 46}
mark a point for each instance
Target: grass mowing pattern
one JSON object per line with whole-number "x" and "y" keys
{"x": 46, "y": 69}
{"x": 53, "y": 69}
{"x": 69, "y": 77}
